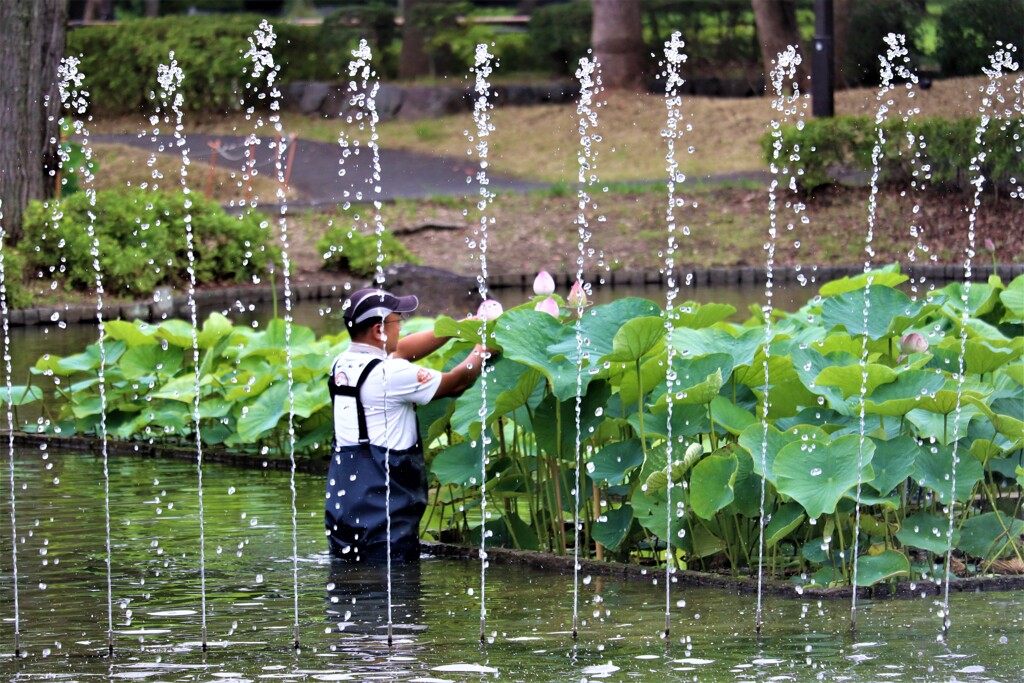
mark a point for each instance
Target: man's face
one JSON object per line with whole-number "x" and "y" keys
{"x": 390, "y": 329}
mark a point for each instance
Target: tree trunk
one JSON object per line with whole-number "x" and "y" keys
{"x": 841, "y": 26}
{"x": 777, "y": 30}
{"x": 30, "y": 53}
{"x": 617, "y": 39}
{"x": 413, "y": 61}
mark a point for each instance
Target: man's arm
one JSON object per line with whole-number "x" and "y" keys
{"x": 419, "y": 345}
{"x": 462, "y": 376}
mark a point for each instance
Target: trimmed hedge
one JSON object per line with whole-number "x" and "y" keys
{"x": 822, "y": 150}
{"x": 142, "y": 244}
{"x": 120, "y": 61}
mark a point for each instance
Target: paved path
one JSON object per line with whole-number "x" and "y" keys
{"x": 315, "y": 169}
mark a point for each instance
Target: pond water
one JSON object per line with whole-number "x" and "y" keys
{"x": 251, "y": 601}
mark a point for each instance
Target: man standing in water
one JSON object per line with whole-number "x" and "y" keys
{"x": 375, "y": 388}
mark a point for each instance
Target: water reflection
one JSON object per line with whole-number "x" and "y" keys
{"x": 435, "y": 607}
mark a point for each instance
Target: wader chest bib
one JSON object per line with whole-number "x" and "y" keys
{"x": 357, "y": 491}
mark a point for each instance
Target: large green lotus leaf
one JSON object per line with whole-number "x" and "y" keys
{"x": 747, "y": 487}
{"x": 1009, "y": 426}
{"x": 309, "y": 397}
{"x": 872, "y": 569}
{"x": 809, "y": 363}
{"x": 525, "y": 336}
{"x": 545, "y": 419}
{"x": 898, "y": 398}
{"x": 850, "y": 378}
{"x": 86, "y": 361}
{"x": 729, "y": 416}
{"x": 780, "y": 369}
{"x": 214, "y": 408}
{"x": 687, "y": 420}
{"x": 176, "y": 332}
{"x": 703, "y": 342}
{"x": 504, "y": 373}
{"x": 599, "y": 325}
{"x": 23, "y": 394}
{"x": 310, "y": 367}
{"x": 650, "y": 511}
{"x": 652, "y": 374}
{"x": 784, "y": 521}
{"x": 181, "y": 388}
{"x": 132, "y": 334}
{"x": 981, "y": 299}
{"x": 985, "y": 450}
{"x": 711, "y": 484}
{"x": 527, "y": 390}
{"x": 84, "y": 406}
{"x": 945, "y": 401}
{"x": 927, "y": 532}
{"x": 979, "y": 357}
{"x": 612, "y": 526}
{"x": 787, "y": 398}
{"x": 934, "y": 469}
{"x": 694, "y": 376}
{"x": 695, "y": 316}
{"x": 942, "y": 428}
{"x": 215, "y": 328}
{"x": 889, "y": 276}
{"x": 1013, "y": 301}
{"x": 459, "y": 464}
{"x": 890, "y": 311}
{"x": 1014, "y": 371}
{"x": 986, "y": 535}
{"x": 142, "y": 361}
{"x": 263, "y": 414}
{"x": 466, "y": 330}
{"x": 636, "y": 339}
{"x": 817, "y": 474}
{"x": 612, "y": 464}
{"x": 764, "y": 447}
{"x": 893, "y": 462}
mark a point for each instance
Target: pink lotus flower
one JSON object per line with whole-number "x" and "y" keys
{"x": 489, "y": 310}
{"x": 543, "y": 284}
{"x": 913, "y": 343}
{"x": 549, "y": 306}
{"x": 990, "y": 245}
{"x": 577, "y": 296}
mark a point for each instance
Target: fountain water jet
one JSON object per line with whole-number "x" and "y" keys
{"x": 5, "y": 313}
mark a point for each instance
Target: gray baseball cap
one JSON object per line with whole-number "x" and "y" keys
{"x": 365, "y": 304}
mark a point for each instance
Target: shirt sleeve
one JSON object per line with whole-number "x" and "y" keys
{"x": 407, "y": 382}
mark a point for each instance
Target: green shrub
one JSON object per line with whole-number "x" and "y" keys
{"x": 15, "y": 293}
{"x": 374, "y": 22}
{"x": 348, "y": 250}
{"x": 142, "y": 243}
{"x": 823, "y": 149}
{"x": 969, "y": 29}
{"x": 870, "y": 22}
{"x": 209, "y": 49}
{"x": 560, "y": 35}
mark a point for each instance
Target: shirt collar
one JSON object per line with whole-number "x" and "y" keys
{"x": 359, "y": 347}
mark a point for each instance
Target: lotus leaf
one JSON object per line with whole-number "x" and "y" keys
{"x": 980, "y": 357}
{"x": 711, "y": 483}
{"x": 636, "y": 339}
{"x": 546, "y": 422}
{"x": 981, "y": 298}
{"x": 784, "y": 521}
{"x": 874, "y": 569}
{"x": 851, "y": 378}
{"x": 809, "y": 363}
{"x": 467, "y": 330}
{"x": 695, "y": 316}
{"x": 984, "y": 450}
{"x": 1013, "y": 301}
{"x": 763, "y": 445}
{"x": 649, "y": 510}
{"x": 730, "y": 416}
{"x": 747, "y": 488}
{"x": 652, "y": 374}
{"x": 889, "y": 312}
{"x": 181, "y": 388}
{"x": 942, "y": 427}
{"x": 934, "y": 469}
{"x": 893, "y": 462}
{"x": 142, "y": 361}
{"x": 599, "y": 325}
{"x": 132, "y": 334}
{"x": 613, "y": 526}
{"x": 1014, "y": 371}
{"x": 175, "y": 332}
{"x": 703, "y": 342}
{"x": 215, "y": 328}
{"x": 263, "y": 414}
{"x": 990, "y": 535}
{"x": 525, "y": 336}
{"x": 501, "y": 374}
{"x": 698, "y": 381}
{"x": 1009, "y": 426}
{"x": 898, "y": 398}
{"x": 889, "y": 276}
{"x": 22, "y": 394}
{"x": 927, "y": 532}
{"x": 612, "y": 464}
{"x": 307, "y": 398}
{"x": 459, "y": 464}
{"x": 818, "y": 473}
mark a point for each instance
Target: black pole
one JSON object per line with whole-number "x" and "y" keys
{"x": 823, "y": 61}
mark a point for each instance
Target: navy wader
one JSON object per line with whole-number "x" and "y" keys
{"x": 356, "y": 508}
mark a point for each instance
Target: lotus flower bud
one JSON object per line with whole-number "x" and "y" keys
{"x": 543, "y": 284}
{"x": 489, "y": 310}
{"x": 548, "y": 305}
{"x": 990, "y": 245}
{"x": 577, "y": 296}
{"x": 913, "y": 343}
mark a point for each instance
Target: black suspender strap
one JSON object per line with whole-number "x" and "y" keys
{"x": 354, "y": 392}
